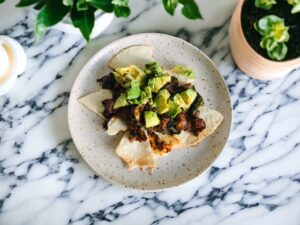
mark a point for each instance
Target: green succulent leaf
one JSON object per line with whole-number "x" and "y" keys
{"x": 24, "y": 3}
{"x": 84, "y": 20}
{"x": 296, "y": 8}
{"x": 52, "y": 12}
{"x": 295, "y": 4}
{"x": 170, "y": 6}
{"x": 105, "y": 5}
{"x": 279, "y": 52}
{"x": 265, "y": 4}
{"x": 274, "y": 34}
{"x": 190, "y": 9}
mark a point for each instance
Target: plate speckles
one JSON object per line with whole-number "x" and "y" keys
{"x": 180, "y": 165}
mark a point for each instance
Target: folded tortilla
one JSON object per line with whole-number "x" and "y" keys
{"x": 137, "y": 55}
{"x": 212, "y": 120}
{"x": 136, "y": 154}
{"x": 94, "y": 100}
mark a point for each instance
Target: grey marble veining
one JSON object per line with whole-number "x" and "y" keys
{"x": 43, "y": 180}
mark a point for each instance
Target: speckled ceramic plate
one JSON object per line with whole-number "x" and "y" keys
{"x": 181, "y": 165}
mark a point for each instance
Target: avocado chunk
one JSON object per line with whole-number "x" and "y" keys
{"x": 184, "y": 70}
{"x": 151, "y": 119}
{"x": 121, "y": 101}
{"x": 162, "y": 101}
{"x": 185, "y": 98}
{"x": 134, "y": 91}
{"x": 125, "y": 75}
{"x": 157, "y": 83}
{"x": 154, "y": 69}
{"x": 174, "y": 108}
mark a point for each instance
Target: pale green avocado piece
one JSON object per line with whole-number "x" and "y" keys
{"x": 151, "y": 119}
{"x": 125, "y": 75}
{"x": 121, "y": 101}
{"x": 146, "y": 95}
{"x": 188, "y": 97}
{"x": 174, "y": 108}
{"x": 134, "y": 91}
{"x": 153, "y": 68}
{"x": 184, "y": 70}
{"x": 158, "y": 82}
{"x": 185, "y": 98}
{"x": 162, "y": 101}
{"x": 179, "y": 101}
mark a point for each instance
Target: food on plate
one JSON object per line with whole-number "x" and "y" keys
{"x": 157, "y": 109}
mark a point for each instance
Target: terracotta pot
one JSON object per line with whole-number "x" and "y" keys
{"x": 248, "y": 60}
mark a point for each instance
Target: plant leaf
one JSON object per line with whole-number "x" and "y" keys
{"x": 105, "y": 5}
{"x": 121, "y": 11}
{"x": 279, "y": 52}
{"x": 84, "y": 20}
{"x": 24, "y": 3}
{"x": 120, "y": 2}
{"x": 81, "y": 5}
{"x": 170, "y": 6}
{"x": 68, "y": 2}
{"x": 1, "y": 1}
{"x": 53, "y": 12}
{"x": 296, "y": 8}
{"x": 190, "y": 9}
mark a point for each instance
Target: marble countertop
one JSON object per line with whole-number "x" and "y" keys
{"x": 43, "y": 180}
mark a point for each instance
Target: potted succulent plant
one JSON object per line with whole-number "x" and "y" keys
{"x": 264, "y": 37}
{"x": 81, "y": 13}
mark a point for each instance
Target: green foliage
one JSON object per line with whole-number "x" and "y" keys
{"x": 295, "y": 4}
{"x": 274, "y": 35}
{"x": 82, "y": 12}
{"x": 190, "y": 9}
{"x": 265, "y": 4}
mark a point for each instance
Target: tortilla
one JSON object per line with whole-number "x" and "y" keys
{"x": 169, "y": 141}
{"x": 115, "y": 125}
{"x": 137, "y": 55}
{"x": 94, "y": 100}
{"x": 136, "y": 154}
{"x": 181, "y": 78}
{"x": 212, "y": 120}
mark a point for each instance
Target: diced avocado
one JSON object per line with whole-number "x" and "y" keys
{"x": 185, "y": 98}
{"x": 174, "y": 108}
{"x": 157, "y": 83}
{"x": 146, "y": 95}
{"x": 125, "y": 75}
{"x": 154, "y": 69}
{"x": 162, "y": 101}
{"x": 179, "y": 101}
{"x": 184, "y": 70}
{"x": 134, "y": 90}
{"x": 188, "y": 97}
{"x": 151, "y": 119}
{"x": 121, "y": 101}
